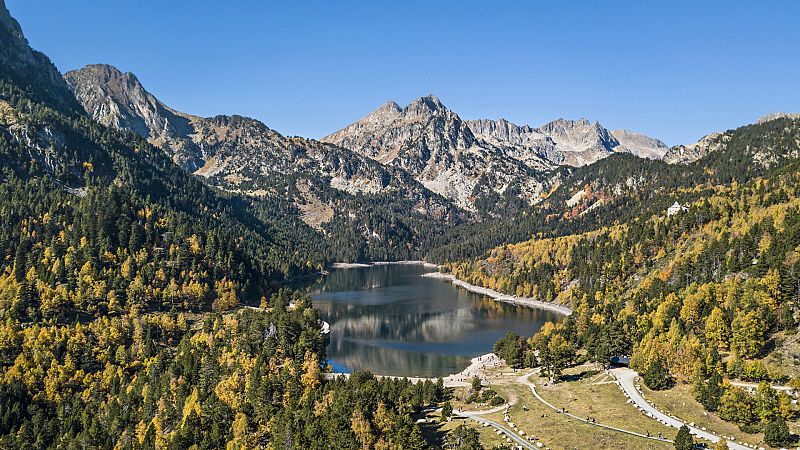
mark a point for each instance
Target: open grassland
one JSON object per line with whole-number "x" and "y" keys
{"x": 557, "y": 431}
{"x": 590, "y": 393}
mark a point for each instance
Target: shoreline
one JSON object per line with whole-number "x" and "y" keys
{"x": 460, "y": 379}
{"x": 500, "y": 297}
{"x": 359, "y": 265}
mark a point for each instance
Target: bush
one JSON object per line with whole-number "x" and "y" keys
{"x": 684, "y": 440}
{"x": 749, "y": 428}
{"x": 754, "y": 371}
{"x": 496, "y": 401}
{"x": 487, "y": 395}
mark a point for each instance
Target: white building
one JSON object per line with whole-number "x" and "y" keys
{"x": 676, "y": 208}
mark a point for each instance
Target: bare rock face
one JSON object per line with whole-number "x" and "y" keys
{"x": 237, "y": 153}
{"x": 119, "y": 100}
{"x": 570, "y": 142}
{"x": 440, "y": 150}
{"x": 689, "y": 153}
{"x": 639, "y": 144}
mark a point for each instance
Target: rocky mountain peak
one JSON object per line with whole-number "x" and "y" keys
{"x": 440, "y": 150}
{"x": 389, "y": 108}
{"x": 108, "y": 75}
{"x": 423, "y": 123}
{"x": 639, "y": 144}
{"x": 429, "y": 104}
{"x": 562, "y": 141}
{"x": 118, "y": 99}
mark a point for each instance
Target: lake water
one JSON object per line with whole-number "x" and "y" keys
{"x": 392, "y": 321}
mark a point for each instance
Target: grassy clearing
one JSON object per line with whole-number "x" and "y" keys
{"x": 557, "y": 431}
{"x": 786, "y": 356}
{"x": 591, "y": 393}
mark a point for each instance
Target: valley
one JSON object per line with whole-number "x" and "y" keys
{"x": 413, "y": 280}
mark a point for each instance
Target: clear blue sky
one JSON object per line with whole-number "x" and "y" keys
{"x": 672, "y": 70}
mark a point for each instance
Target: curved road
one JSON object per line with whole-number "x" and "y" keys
{"x": 627, "y": 381}
{"x": 476, "y": 416}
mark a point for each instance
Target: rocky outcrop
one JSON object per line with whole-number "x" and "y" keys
{"x": 777, "y": 115}
{"x": 688, "y": 153}
{"x": 119, "y": 100}
{"x": 440, "y": 150}
{"x": 570, "y": 142}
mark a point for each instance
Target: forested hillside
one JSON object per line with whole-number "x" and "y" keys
{"x": 121, "y": 283}
{"x": 141, "y": 304}
{"x": 694, "y": 296}
{"x": 622, "y": 187}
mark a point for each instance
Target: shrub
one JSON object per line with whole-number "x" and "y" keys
{"x": 684, "y": 440}
{"x": 496, "y": 401}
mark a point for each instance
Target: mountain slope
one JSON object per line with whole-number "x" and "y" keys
{"x": 622, "y": 187}
{"x": 440, "y": 150}
{"x": 30, "y": 70}
{"x": 689, "y": 153}
{"x": 122, "y": 187}
{"x": 119, "y": 100}
{"x": 368, "y": 210}
{"x": 112, "y": 259}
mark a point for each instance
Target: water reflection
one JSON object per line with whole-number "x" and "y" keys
{"x": 390, "y": 320}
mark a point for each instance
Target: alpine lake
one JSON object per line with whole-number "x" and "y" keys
{"x": 391, "y": 320}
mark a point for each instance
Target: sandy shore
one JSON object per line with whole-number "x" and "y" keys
{"x": 382, "y": 263}
{"x": 500, "y": 297}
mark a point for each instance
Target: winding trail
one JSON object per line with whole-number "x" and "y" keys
{"x": 627, "y": 381}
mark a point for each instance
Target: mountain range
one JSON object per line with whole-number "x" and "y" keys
{"x": 471, "y": 163}
{"x": 385, "y": 180}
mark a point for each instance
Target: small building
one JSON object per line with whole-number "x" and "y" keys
{"x": 676, "y": 208}
{"x": 620, "y": 361}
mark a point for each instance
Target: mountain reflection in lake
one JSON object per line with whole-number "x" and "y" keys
{"x": 392, "y": 321}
